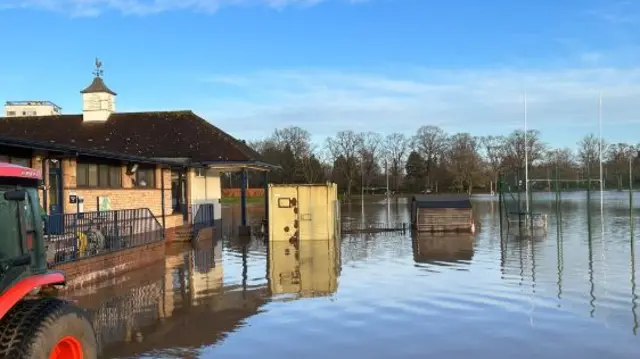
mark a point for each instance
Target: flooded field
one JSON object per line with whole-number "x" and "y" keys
{"x": 568, "y": 293}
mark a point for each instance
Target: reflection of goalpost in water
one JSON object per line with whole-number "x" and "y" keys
{"x": 517, "y": 207}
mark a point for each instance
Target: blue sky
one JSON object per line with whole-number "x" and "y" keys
{"x": 250, "y": 66}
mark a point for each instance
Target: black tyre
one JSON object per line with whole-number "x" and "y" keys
{"x": 34, "y": 329}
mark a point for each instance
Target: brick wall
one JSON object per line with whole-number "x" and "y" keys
{"x": 120, "y": 198}
{"x": 91, "y": 270}
{"x": 100, "y": 294}
{"x": 126, "y": 197}
{"x": 36, "y": 163}
{"x": 174, "y": 220}
{"x": 235, "y": 192}
{"x": 123, "y": 199}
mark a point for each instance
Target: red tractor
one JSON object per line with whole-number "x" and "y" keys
{"x": 34, "y": 324}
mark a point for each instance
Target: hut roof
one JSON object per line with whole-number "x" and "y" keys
{"x": 442, "y": 201}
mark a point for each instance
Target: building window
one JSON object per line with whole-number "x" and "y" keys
{"x": 201, "y": 172}
{"x": 11, "y": 113}
{"x": 20, "y": 161}
{"x": 24, "y": 162}
{"x": 145, "y": 178}
{"x": 99, "y": 176}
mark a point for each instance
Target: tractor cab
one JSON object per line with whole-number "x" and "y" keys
{"x": 22, "y": 250}
{"x": 33, "y": 323}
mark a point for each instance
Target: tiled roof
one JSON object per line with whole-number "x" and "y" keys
{"x": 442, "y": 201}
{"x": 168, "y": 134}
{"x": 97, "y": 85}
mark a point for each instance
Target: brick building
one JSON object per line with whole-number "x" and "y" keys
{"x": 167, "y": 161}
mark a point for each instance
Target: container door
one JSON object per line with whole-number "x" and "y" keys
{"x": 283, "y": 206}
{"x": 306, "y": 212}
{"x": 314, "y": 213}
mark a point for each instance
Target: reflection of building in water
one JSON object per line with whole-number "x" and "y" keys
{"x": 206, "y": 269}
{"x": 121, "y": 309}
{"x": 442, "y": 247}
{"x": 119, "y": 318}
{"x": 196, "y": 273}
{"x": 194, "y": 310}
{"x": 307, "y": 268}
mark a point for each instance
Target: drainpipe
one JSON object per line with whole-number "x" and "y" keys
{"x": 45, "y": 180}
{"x": 164, "y": 224}
{"x": 243, "y": 198}
{"x": 266, "y": 197}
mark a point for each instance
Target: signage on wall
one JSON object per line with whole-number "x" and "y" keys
{"x": 104, "y": 203}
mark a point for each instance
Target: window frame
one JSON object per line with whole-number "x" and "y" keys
{"x": 12, "y": 160}
{"x": 148, "y": 170}
{"x": 88, "y": 167}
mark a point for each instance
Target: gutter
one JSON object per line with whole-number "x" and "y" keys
{"x": 178, "y": 161}
{"x": 243, "y": 163}
{"x": 76, "y": 151}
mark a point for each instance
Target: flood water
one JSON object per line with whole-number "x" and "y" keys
{"x": 568, "y": 293}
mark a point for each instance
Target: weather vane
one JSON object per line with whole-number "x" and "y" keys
{"x": 98, "y": 72}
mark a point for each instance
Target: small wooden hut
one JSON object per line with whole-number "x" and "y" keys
{"x": 442, "y": 213}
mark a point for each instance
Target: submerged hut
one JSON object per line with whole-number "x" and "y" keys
{"x": 442, "y": 247}
{"x": 442, "y": 213}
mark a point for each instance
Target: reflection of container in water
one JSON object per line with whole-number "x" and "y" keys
{"x": 303, "y": 212}
{"x": 307, "y": 269}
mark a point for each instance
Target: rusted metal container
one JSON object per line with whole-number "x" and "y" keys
{"x": 303, "y": 212}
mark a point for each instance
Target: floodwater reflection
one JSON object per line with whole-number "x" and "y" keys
{"x": 304, "y": 269}
{"x": 448, "y": 247}
{"x": 568, "y": 292}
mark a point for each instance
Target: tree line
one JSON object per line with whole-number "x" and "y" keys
{"x": 432, "y": 160}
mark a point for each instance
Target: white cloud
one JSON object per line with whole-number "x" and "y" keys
{"x": 618, "y": 12}
{"x": 560, "y": 102}
{"x": 147, "y": 7}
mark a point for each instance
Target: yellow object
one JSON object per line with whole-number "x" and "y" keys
{"x": 303, "y": 212}
{"x": 81, "y": 242}
{"x": 310, "y": 270}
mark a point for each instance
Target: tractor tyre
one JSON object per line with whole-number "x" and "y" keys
{"x": 47, "y": 328}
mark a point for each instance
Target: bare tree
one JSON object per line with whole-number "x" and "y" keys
{"x": 515, "y": 149}
{"x": 430, "y": 142}
{"x": 589, "y": 152}
{"x": 297, "y": 138}
{"x": 312, "y": 169}
{"x": 494, "y": 149}
{"x": 437, "y": 160}
{"x": 396, "y": 148}
{"x": 370, "y": 148}
{"x": 558, "y": 163}
{"x": 619, "y": 155}
{"x": 560, "y": 158}
{"x": 346, "y": 145}
{"x": 465, "y": 160}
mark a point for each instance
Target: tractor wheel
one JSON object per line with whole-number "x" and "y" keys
{"x": 47, "y": 328}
